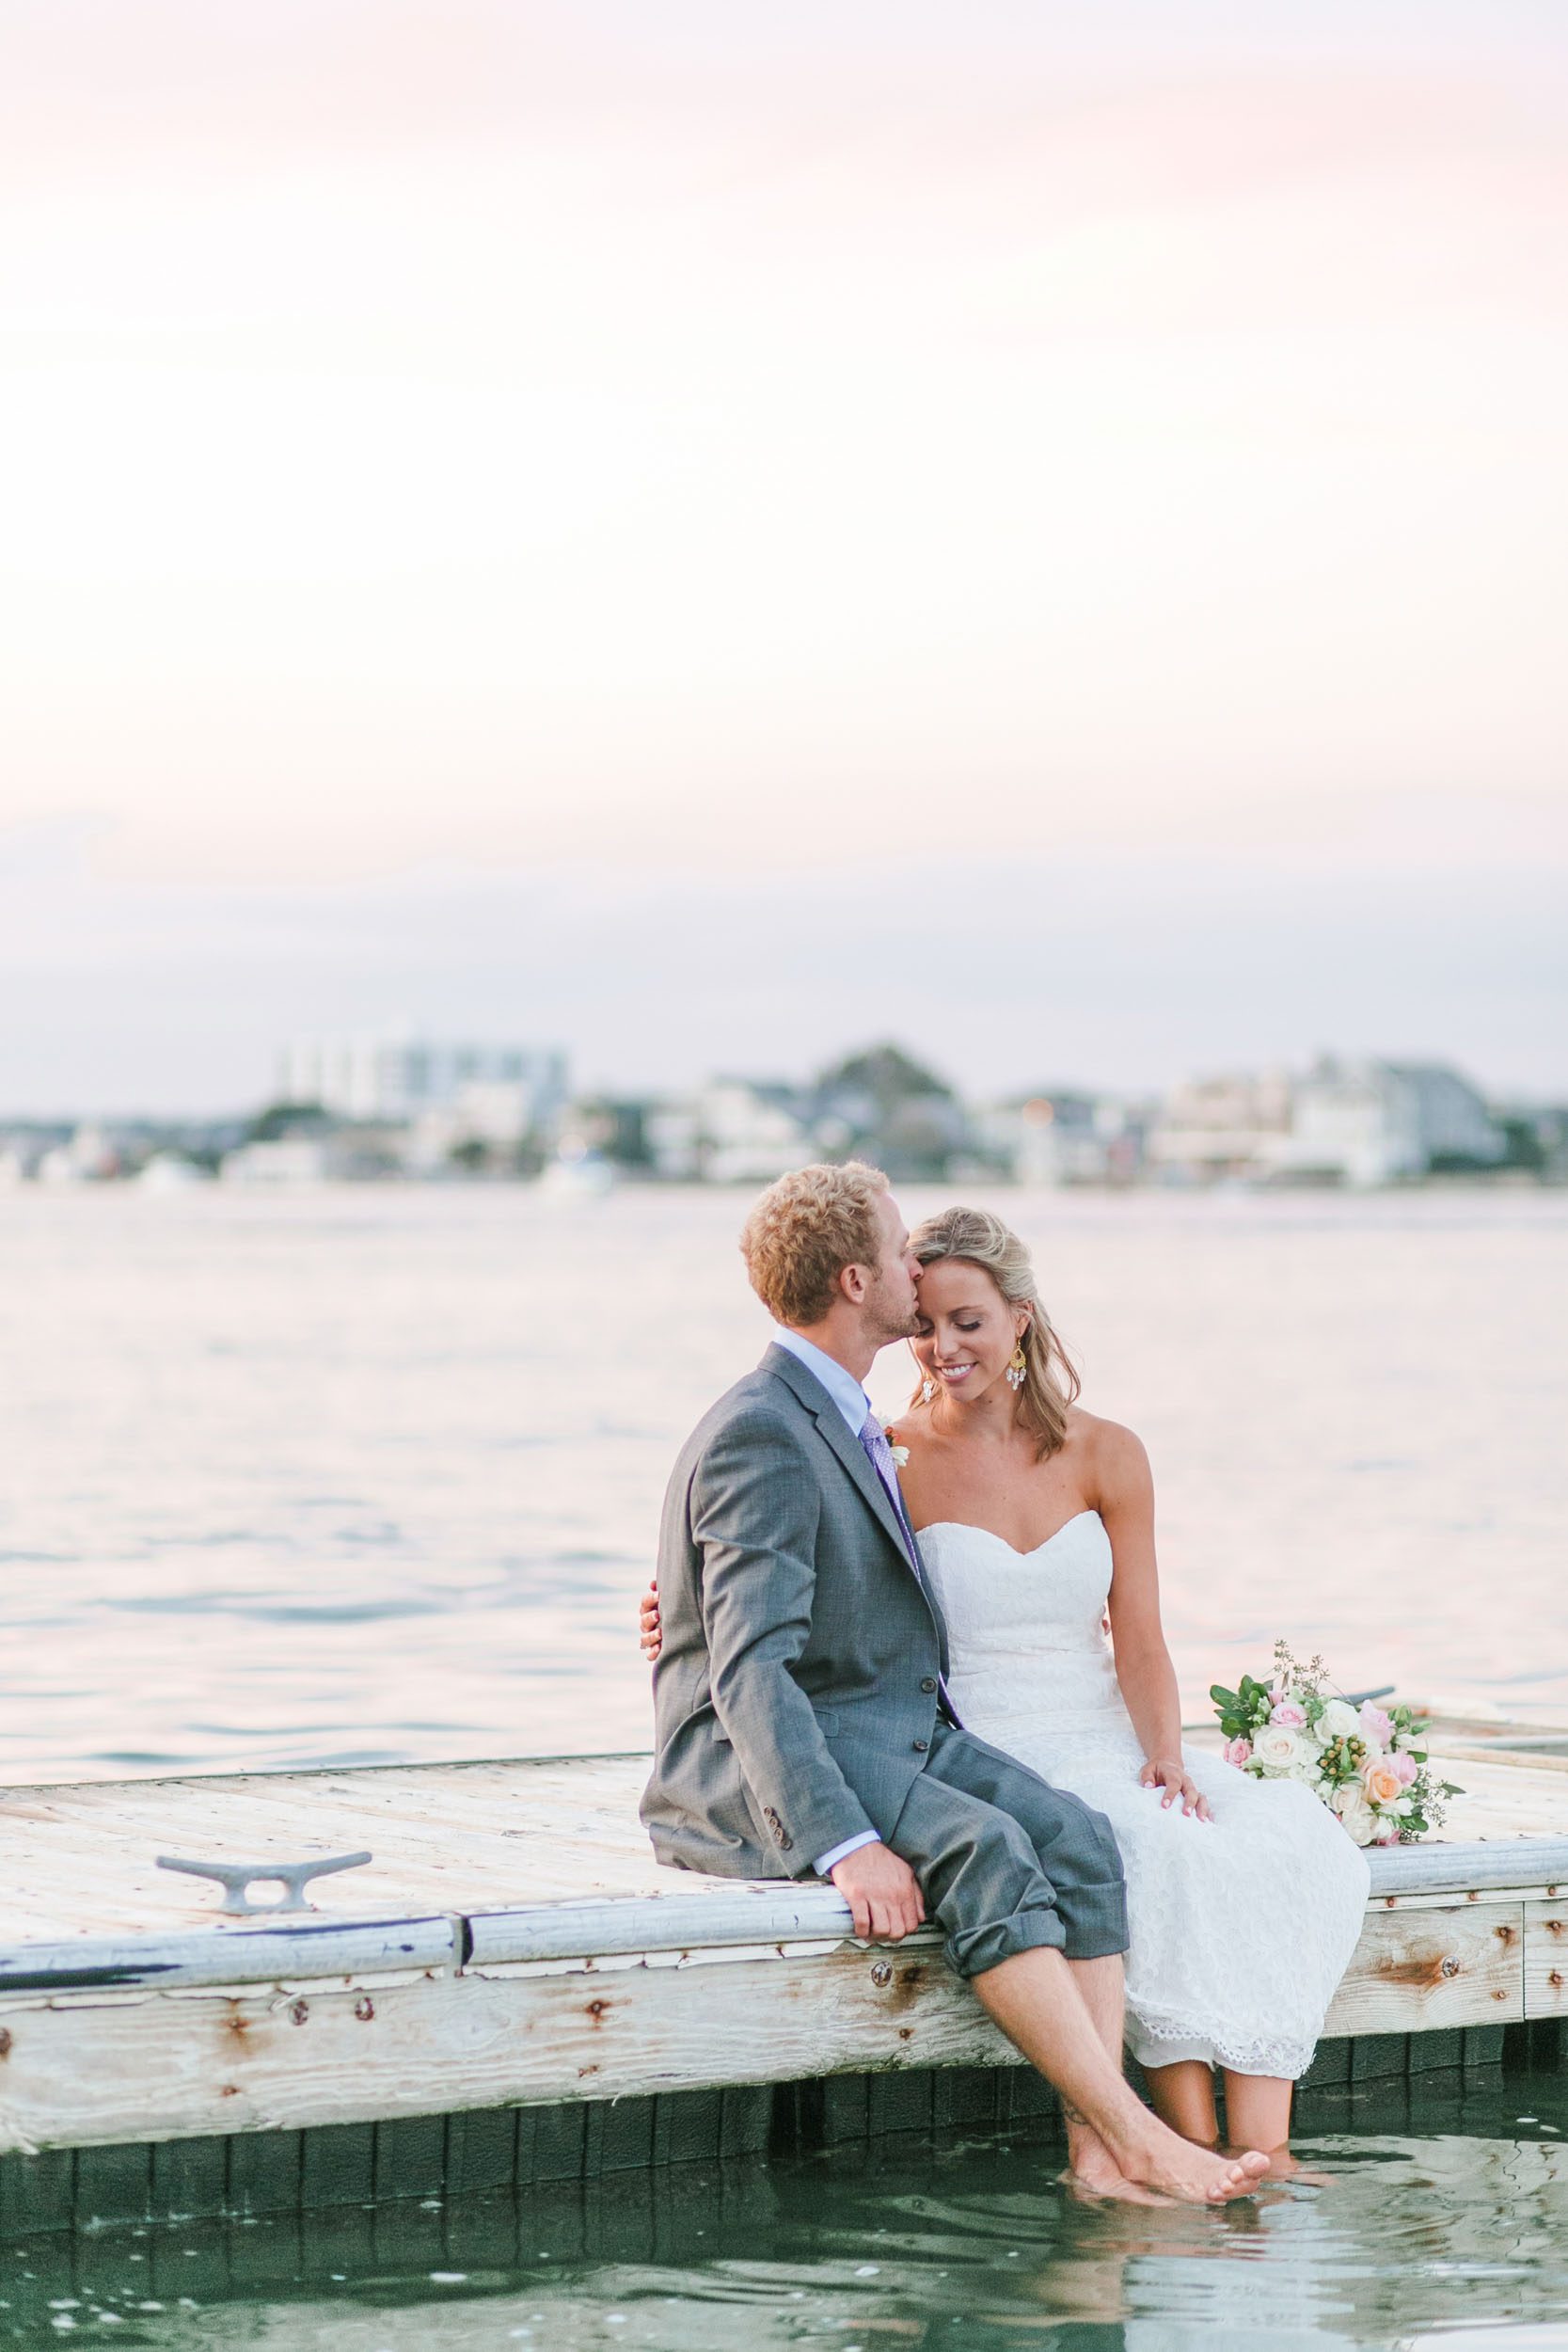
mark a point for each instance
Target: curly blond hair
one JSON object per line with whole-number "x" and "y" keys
{"x": 804, "y": 1231}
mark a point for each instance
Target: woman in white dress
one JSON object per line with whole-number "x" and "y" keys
{"x": 1036, "y": 1522}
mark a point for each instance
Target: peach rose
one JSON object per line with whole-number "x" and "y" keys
{"x": 1383, "y": 1782}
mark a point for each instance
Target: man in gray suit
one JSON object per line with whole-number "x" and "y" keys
{"x": 801, "y": 1716}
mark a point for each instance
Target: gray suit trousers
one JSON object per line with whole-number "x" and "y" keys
{"x": 1007, "y": 1864}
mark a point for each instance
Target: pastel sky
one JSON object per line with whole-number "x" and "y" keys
{"x": 711, "y": 531}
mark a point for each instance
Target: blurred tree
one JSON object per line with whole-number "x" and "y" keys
{"x": 882, "y": 1106}
{"x": 286, "y": 1118}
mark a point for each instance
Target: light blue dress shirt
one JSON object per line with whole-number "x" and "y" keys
{"x": 854, "y": 1404}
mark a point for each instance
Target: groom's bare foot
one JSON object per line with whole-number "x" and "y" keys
{"x": 1196, "y": 2176}
{"x": 1284, "y": 2167}
{"x": 1112, "y": 2187}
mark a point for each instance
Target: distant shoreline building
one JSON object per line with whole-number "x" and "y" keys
{"x": 398, "y": 1078}
{"x": 1354, "y": 1121}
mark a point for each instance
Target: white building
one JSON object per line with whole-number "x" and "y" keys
{"x": 1357, "y": 1120}
{"x": 1366, "y": 1122}
{"x": 1062, "y": 1138}
{"x": 87, "y": 1158}
{"x": 734, "y": 1131}
{"x": 1212, "y": 1128}
{"x": 281, "y": 1160}
{"x": 495, "y": 1088}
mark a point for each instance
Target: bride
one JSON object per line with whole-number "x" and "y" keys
{"x": 1036, "y": 1522}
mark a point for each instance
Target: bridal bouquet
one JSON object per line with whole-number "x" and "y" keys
{"x": 1367, "y": 1763}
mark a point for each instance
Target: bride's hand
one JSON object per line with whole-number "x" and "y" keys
{"x": 1170, "y": 1773}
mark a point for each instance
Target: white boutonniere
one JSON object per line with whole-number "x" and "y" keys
{"x": 901, "y": 1453}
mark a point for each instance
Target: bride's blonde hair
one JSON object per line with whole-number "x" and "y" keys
{"x": 1049, "y": 1382}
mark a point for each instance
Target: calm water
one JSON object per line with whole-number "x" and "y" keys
{"x": 1443, "y": 2222}
{"x": 374, "y": 1474}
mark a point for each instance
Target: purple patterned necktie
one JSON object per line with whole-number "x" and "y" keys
{"x": 879, "y": 1454}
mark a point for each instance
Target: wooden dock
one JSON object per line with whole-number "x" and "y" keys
{"x": 514, "y": 1945}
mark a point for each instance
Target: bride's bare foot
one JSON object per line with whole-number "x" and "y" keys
{"x": 1282, "y": 2166}
{"x": 1196, "y": 2175}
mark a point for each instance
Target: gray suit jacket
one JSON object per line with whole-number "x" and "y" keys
{"x": 796, "y": 1691}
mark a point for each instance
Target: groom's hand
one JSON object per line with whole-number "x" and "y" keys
{"x": 882, "y": 1893}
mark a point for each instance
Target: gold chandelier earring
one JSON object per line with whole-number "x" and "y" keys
{"x": 1018, "y": 1369}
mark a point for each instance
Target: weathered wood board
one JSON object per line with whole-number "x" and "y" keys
{"x": 81, "y": 2069}
{"x": 1421, "y": 1969}
{"x": 1547, "y": 1958}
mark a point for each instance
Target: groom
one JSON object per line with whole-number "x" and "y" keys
{"x": 802, "y": 1713}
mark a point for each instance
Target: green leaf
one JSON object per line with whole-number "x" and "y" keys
{"x": 1222, "y": 1697}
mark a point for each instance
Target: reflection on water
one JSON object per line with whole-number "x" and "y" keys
{"x": 1445, "y": 2210}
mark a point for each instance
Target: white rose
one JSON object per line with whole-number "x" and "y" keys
{"x": 1339, "y": 1721}
{"x": 1308, "y": 1769}
{"x": 1278, "y": 1748}
{"x": 1350, "y": 1802}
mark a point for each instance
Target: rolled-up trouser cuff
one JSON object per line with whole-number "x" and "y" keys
{"x": 973, "y": 1950}
{"x": 1095, "y": 1930}
{"x": 1094, "y": 1919}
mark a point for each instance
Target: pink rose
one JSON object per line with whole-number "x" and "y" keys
{"x": 1287, "y": 1711}
{"x": 1238, "y": 1751}
{"x": 1376, "y": 1726}
{"x": 1406, "y": 1767}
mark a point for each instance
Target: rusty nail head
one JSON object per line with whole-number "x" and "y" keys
{"x": 300, "y": 2012}
{"x": 1556, "y": 1977}
{"x": 5, "y": 2041}
{"x": 1450, "y": 1967}
{"x": 881, "y": 1972}
{"x": 364, "y": 2009}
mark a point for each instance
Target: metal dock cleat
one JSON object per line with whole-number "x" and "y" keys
{"x": 237, "y": 1878}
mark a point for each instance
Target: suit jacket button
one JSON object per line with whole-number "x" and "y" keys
{"x": 921, "y": 1746}
{"x": 787, "y": 1844}
{"x": 927, "y": 1683}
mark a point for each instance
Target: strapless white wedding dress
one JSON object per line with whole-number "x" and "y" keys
{"x": 1241, "y": 1928}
